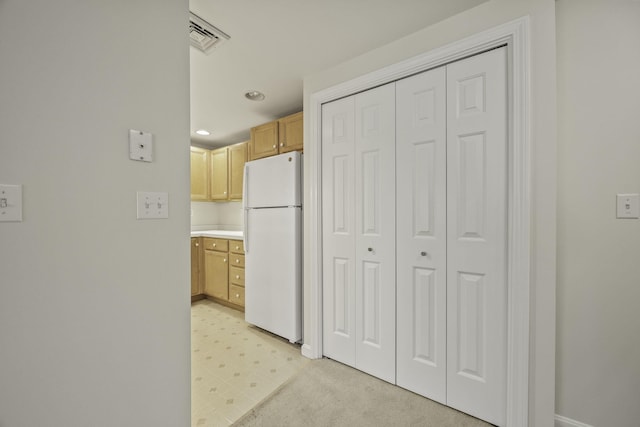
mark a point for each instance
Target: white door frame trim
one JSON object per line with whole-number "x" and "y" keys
{"x": 515, "y": 35}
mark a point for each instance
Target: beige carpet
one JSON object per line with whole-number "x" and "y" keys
{"x": 327, "y": 393}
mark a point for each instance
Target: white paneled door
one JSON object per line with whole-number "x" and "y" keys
{"x": 421, "y": 187}
{"x": 476, "y": 235}
{"x": 375, "y": 243}
{"x": 359, "y": 231}
{"x": 338, "y": 231}
{"x": 414, "y": 202}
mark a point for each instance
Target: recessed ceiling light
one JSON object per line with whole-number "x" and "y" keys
{"x": 203, "y": 132}
{"x": 254, "y": 95}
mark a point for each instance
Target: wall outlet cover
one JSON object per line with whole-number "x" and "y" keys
{"x": 10, "y": 203}
{"x": 628, "y": 205}
{"x": 140, "y": 145}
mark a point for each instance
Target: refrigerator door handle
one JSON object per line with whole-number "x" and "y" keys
{"x": 245, "y": 197}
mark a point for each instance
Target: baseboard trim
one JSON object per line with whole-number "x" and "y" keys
{"x": 568, "y": 422}
{"x": 308, "y": 352}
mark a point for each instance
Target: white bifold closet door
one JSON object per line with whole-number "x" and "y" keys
{"x": 476, "y": 235}
{"x": 431, "y": 316}
{"x": 358, "y": 149}
{"x": 451, "y": 189}
{"x": 421, "y": 148}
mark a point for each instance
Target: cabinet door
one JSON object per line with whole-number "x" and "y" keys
{"x": 216, "y": 273}
{"x": 264, "y": 141}
{"x": 199, "y": 174}
{"x": 237, "y": 159}
{"x": 195, "y": 266}
{"x": 219, "y": 174}
{"x": 290, "y": 133}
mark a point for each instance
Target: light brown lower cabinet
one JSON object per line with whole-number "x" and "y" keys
{"x": 216, "y": 267}
{"x": 224, "y": 271}
{"x": 196, "y": 266}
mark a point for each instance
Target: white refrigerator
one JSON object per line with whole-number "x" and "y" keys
{"x": 272, "y": 199}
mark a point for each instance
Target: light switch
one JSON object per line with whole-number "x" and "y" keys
{"x": 153, "y": 205}
{"x": 628, "y": 205}
{"x": 140, "y": 145}
{"x": 10, "y": 203}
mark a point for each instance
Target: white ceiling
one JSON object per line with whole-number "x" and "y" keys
{"x": 274, "y": 44}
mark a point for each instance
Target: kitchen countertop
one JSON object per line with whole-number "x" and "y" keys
{"x": 221, "y": 234}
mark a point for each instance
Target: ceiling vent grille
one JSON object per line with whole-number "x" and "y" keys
{"x": 203, "y": 35}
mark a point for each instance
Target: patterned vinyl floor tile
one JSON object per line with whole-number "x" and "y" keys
{"x": 234, "y": 365}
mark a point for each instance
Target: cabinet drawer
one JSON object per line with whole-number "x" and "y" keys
{"x": 236, "y": 295}
{"x": 212, "y": 244}
{"x": 236, "y": 275}
{"x": 236, "y": 246}
{"x": 236, "y": 260}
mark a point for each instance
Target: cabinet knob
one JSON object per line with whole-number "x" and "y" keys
{"x": 237, "y": 276}
{"x": 214, "y": 245}
{"x": 225, "y": 260}
{"x": 237, "y": 295}
{"x": 237, "y": 261}
{"x": 224, "y": 192}
{"x": 282, "y": 144}
{"x": 423, "y": 253}
{"x": 237, "y": 247}
{"x": 370, "y": 249}
{"x": 197, "y": 244}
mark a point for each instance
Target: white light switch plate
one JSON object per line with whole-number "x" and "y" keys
{"x": 140, "y": 145}
{"x": 10, "y": 203}
{"x": 153, "y": 205}
{"x": 628, "y": 205}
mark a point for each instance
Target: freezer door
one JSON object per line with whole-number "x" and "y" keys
{"x": 273, "y": 271}
{"x": 273, "y": 181}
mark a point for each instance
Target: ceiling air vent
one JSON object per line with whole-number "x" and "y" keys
{"x": 203, "y": 35}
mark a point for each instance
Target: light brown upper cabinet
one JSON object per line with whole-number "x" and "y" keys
{"x": 237, "y": 159}
{"x": 290, "y": 133}
{"x": 279, "y": 136}
{"x": 264, "y": 141}
{"x": 199, "y": 173}
{"x": 219, "y": 174}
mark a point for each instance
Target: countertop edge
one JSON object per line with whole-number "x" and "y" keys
{"x": 220, "y": 234}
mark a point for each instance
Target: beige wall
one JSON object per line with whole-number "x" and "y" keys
{"x": 94, "y": 307}
{"x": 598, "y": 379}
{"x": 543, "y": 137}
{"x": 223, "y": 215}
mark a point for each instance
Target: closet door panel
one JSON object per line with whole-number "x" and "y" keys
{"x": 421, "y": 233}
{"x": 375, "y": 231}
{"x": 338, "y": 270}
{"x": 476, "y": 247}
